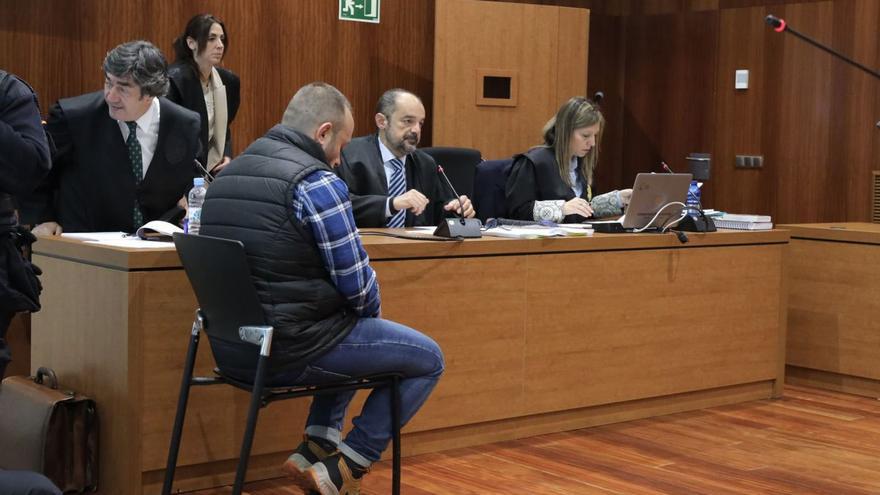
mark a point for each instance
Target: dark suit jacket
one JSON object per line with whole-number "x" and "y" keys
{"x": 535, "y": 177}
{"x": 363, "y": 171}
{"x": 91, "y": 187}
{"x": 186, "y": 91}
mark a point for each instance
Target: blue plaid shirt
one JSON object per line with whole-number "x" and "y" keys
{"x": 321, "y": 203}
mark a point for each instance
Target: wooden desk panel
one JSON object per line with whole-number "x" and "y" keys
{"x": 649, "y": 323}
{"x": 834, "y": 331}
{"x": 539, "y": 335}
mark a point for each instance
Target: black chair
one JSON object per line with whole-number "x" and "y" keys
{"x": 231, "y": 316}
{"x": 459, "y": 164}
{"x": 489, "y": 184}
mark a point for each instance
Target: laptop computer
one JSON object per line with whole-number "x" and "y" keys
{"x": 650, "y": 193}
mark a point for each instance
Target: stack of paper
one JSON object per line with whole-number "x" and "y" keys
{"x": 743, "y": 222}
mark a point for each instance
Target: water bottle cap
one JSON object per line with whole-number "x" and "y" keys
{"x": 198, "y": 181}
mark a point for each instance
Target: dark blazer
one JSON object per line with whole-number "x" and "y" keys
{"x": 363, "y": 171}
{"x": 91, "y": 187}
{"x": 535, "y": 177}
{"x": 186, "y": 91}
{"x": 24, "y": 152}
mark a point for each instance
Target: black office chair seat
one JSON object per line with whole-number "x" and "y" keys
{"x": 230, "y": 312}
{"x": 282, "y": 392}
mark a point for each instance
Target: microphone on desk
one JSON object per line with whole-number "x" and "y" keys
{"x": 666, "y": 167}
{"x": 466, "y": 228}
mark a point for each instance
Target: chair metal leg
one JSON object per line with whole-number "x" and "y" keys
{"x": 395, "y": 428}
{"x": 253, "y": 412}
{"x": 182, "y": 400}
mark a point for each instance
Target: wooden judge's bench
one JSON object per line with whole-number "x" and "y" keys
{"x": 540, "y": 336}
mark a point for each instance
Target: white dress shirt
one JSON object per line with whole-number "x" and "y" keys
{"x": 147, "y": 133}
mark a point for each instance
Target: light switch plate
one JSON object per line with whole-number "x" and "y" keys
{"x": 741, "y": 81}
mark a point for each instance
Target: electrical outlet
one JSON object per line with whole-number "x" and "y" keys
{"x": 749, "y": 161}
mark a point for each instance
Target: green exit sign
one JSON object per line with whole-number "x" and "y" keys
{"x": 359, "y": 10}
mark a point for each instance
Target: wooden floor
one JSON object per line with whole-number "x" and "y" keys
{"x": 809, "y": 442}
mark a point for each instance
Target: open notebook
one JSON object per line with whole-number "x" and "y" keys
{"x": 157, "y": 230}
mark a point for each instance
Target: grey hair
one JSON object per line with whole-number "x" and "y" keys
{"x": 143, "y": 62}
{"x": 314, "y": 104}
{"x": 388, "y": 101}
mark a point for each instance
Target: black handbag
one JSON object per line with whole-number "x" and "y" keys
{"x": 49, "y": 431}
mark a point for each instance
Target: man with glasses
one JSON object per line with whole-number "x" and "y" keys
{"x": 125, "y": 156}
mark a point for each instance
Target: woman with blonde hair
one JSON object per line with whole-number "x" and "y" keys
{"x": 554, "y": 182}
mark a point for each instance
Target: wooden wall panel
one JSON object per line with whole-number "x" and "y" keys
{"x": 811, "y": 117}
{"x": 853, "y": 140}
{"x": 607, "y": 74}
{"x": 798, "y": 115}
{"x": 545, "y": 46}
{"x": 276, "y": 46}
{"x": 732, "y": 189}
{"x": 669, "y": 108}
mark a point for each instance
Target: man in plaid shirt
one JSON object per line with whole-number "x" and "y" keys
{"x": 281, "y": 198}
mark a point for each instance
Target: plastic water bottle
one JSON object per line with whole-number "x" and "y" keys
{"x": 195, "y": 200}
{"x": 693, "y": 198}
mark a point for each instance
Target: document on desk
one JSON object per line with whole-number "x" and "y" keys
{"x": 133, "y": 242}
{"x": 94, "y": 236}
{"x": 536, "y": 232}
{"x": 116, "y": 239}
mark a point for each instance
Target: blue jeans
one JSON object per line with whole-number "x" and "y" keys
{"x": 374, "y": 346}
{"x": 26, "y": 483}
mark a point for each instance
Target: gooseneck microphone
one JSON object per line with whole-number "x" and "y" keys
{"x": 779, "y": 25}
{"x": 776, "y": 23}
{"x": 460, "y": 211}
{"x": 457, "y": 227}
{"x": 666, "y": 167}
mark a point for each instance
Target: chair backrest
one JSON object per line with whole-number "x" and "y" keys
{"x": 489, "y": 184}
{"x": 221, "y": 278}
{"x": 459, "y": 164}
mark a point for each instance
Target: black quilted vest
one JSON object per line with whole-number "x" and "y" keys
{"x": 251, "y": 200}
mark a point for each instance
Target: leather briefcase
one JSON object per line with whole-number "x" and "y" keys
{"x": 49, "y": 431}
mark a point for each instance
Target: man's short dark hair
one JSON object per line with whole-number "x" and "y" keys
{"x": 388, "y": 101}
{"x": 314, "y": 104}
{"x": 143, "y": 62}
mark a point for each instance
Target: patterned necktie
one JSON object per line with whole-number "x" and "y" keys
{"x": 137, "y": 168}
{"x": 396, "y": 188}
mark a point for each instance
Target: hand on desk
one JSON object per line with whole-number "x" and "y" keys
{"x": 625, "y": 197}
{"x": 47, "y": 228}
{"x": 410, "y": 200}
{"x": 456, "y": 205}
{"x": 577, "y": 206}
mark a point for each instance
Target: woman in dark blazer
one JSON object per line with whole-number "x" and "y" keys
{"x": 554, "y": 182}
{"x": 200, "y": 84}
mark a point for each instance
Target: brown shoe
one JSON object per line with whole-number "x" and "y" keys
{"x": 306, "y": 454}
{"x": 333, "y": 476}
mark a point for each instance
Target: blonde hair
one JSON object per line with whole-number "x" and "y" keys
{"x": 576, "y": 113}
